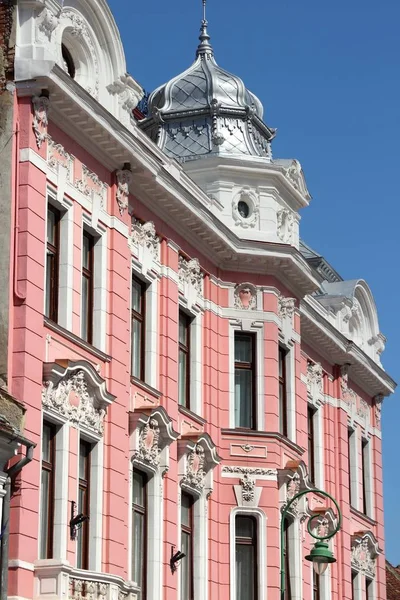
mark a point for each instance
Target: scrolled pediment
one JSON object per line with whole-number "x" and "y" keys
{"x": 364, "y": 551}
{"x": 197, "y": 460}
{"x": 74, "y": 391}
{"x": 152, "y": 434}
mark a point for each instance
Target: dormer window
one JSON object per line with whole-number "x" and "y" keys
{"x": 68, "y": 63}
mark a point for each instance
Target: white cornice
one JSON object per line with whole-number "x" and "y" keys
{"x": 325, "y": 339}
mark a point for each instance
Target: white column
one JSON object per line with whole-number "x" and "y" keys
{"x": 61, "y": 505}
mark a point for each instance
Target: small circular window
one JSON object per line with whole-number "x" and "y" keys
{"x": 243, "y": 209}
{"x": 68, "y": 62}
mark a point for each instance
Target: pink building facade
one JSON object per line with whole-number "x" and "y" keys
{"x": 185, "y": 362}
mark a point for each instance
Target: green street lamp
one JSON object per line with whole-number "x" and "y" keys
{"x": 321, "y": 556}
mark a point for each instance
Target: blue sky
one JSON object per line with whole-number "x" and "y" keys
{"x": 328, "y": 75}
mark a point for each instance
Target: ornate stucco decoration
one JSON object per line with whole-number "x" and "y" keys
{"x": 253, "y": 471}
{"x": 40, "y": 121}
{"x": 245, "y": 209}
{"x": 291, "y": 480}
{"x": 315, "y": 382}
{"x": 76, "y": 393}
{"x": 129, "y": 93}
{"x": 195, "y": 474}
{"x": 245, "y": 296}
{"x": 364, "y": 551}
{"x": 349, "y": 396}
{"x": 57, "y": 156}
{"x": 197, "y": 459}
{"x": 46, "y": 23}
{"x": 149, "y": 451}
{"x": 190, "y": 280}
{"x": 293, "y": 174}
{"x": 76, "y": 25}
{"x": 248, "y": 488}
{"x": 285, "y": 225}
{"x": 363, "y": 409}
{"x": 151, "y": 436}
{"x": 124, "y": 178}
{"x": 91, "y": 185}
{"x": 144, "y": 238}
{"x": 378, "y": 400}
{"x": 286, "y": 307}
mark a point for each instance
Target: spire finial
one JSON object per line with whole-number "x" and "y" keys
{"x": 204, "y": 48}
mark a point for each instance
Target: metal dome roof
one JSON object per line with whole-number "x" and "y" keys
{"x": 207, "y": 111}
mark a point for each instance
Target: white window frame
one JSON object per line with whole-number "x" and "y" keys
{"x": 290, "y": 372}
{"x": 60, "y": 485}
{"x": 261, "y": 549}
{"x": 99, "y": 234}
{"x": 257, "y": 329}
{"x": 95, "y": 497}
{"x": 353, "y": 439}
{"x": 318, "y": 424}
{"x": 295, "y": 558}
{"x": 150, "y": 324}
{"x": 358, "y": 587}
{"x": 368, "y": 476}
{"x": 154, "y": 530}
{"x": 66, "y": 256}
{"x": 196, "y": 352}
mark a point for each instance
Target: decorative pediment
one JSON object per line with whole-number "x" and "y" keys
{"x": 364, "y": 551}
{"x": 145, "y": 240}
{"x": 75, "y": 392}
{"x": 245, "y": 295}
{"x": 292, "y": 480}
{"x": 152, "y": 435}
{"x": 315, "y": 382}
{"x": 197, "y": 459}
{"x": 190, "y": 280}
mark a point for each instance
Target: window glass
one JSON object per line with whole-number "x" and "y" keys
{"x": 186, "y": 565}
{"x": 137, "y": 329}
{"x": 139, "y": 516}
{"x": 184, "y": 360}
{"x": 246, "y": 558}
{"x": 244, "y": 381}
{"x": 47, "y": 491}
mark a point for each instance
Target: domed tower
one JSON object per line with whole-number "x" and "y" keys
{"x": 208, "y": 120}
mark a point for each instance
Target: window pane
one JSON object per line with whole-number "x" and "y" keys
{"x": 84, "y": 451}
{"x": 243, "y": 398}
{"x": 183, "y": 329}
{"x": 186, "y": 510}
{"x": 182, "y": 378}
{"x": 51, "y": 227}
{"x": 245, "y": 527}
{"x": 245, "y": 569}
{"x": 138, "y": 548}
{"x": 186, "y": 566}
{"x": 137, "y": 292}
{"x": 50, "y": 258}
{"x": 46, "y": 443}
{"x": 243, "y": 349}
{"x": 138, "y": 489}
{"x": 85, "y": 307}
{"x": 44, "y": 513}
{"x": 282, "y": 356}
{"x": 86, "y": 246}
{"x": 136, "y": 348}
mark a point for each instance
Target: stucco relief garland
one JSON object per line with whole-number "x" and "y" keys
{"x": 71, "y": 400}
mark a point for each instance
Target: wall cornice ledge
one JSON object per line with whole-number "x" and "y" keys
{"x": 272, "y": 435}
{"x": 325, "y": 339}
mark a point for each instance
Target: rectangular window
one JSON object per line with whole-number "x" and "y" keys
{"x": 186, "y": 566}
{"x": 83, "y": 504}
{"x": 139, "y": 530}
{"x": 288, "y": 587}
{"x": 352, "y": 467}
{"x": 364, "y": 466}
{"x": 245, "y": 413}
{"x": 87, "y": 286}
{"x": 184, "y": 360}
{"x": 138, "y": 328}
{"x": 246, "y": 558}
{"x": 47, "y": 491}
{"x": 52, "y": 263}
{"x": 311, "y": 442}
{"x": 369, "y": 589}
{"x": 353, "y": 585}
{"x": 316, "y": 585}
{"x": 283, "y": 425}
